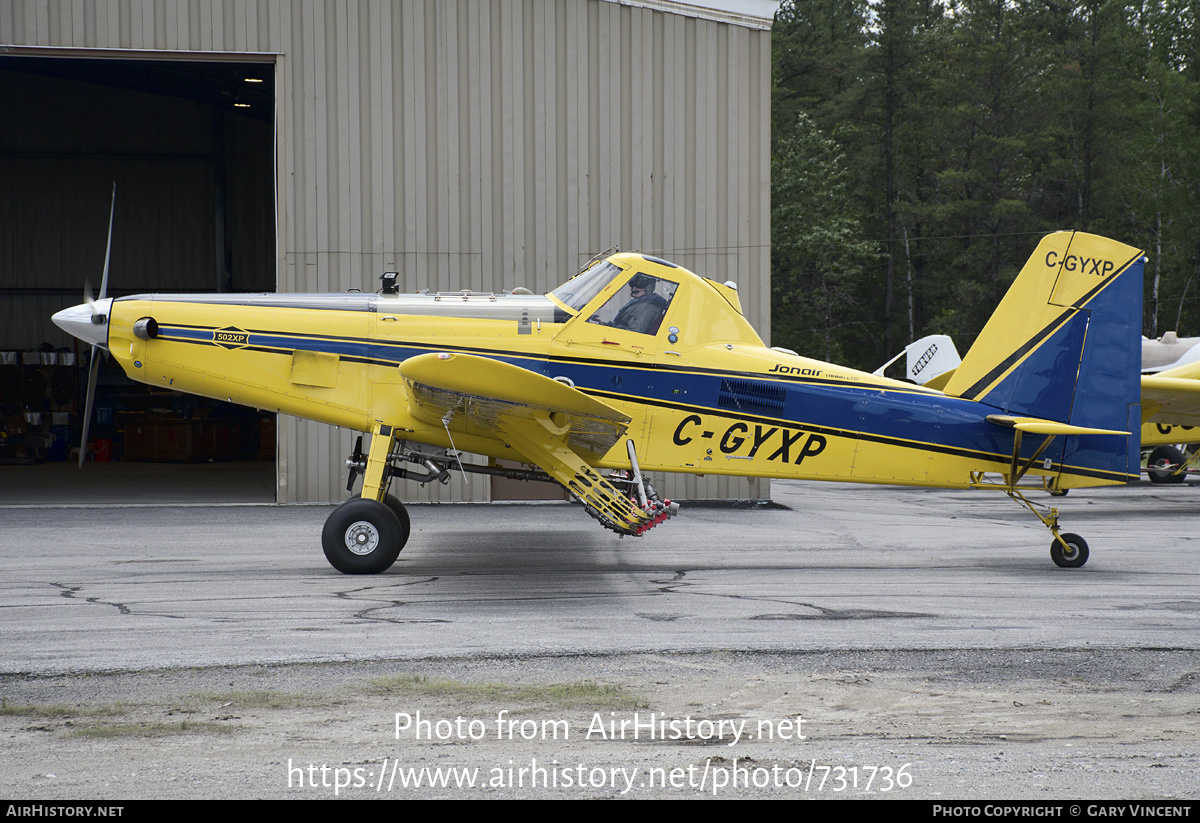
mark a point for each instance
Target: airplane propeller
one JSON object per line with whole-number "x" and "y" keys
{"x": 98, "y": 310}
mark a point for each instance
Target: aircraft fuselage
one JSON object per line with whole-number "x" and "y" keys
{"x": 727, "y": 409}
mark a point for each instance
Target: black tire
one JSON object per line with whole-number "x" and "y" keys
{"x": 401, "y": 516}
{"x": 1059, "y": 492}
{"x": 362, "y": 537}
{"x": 393, "y": 503}
{"x": 1165, "y": 465}
{"x": 1072, "y": 557}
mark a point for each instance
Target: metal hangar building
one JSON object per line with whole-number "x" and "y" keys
{"x": 263, "y": 145}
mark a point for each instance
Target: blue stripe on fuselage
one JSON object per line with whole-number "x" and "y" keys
{"x": 890, "y": 415}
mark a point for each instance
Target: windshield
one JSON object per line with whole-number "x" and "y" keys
{"x": 579, "y": 290}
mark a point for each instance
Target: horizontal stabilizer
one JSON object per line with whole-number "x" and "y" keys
{"x": 1034, "y": 425}
{"x": 1188, "y": 371}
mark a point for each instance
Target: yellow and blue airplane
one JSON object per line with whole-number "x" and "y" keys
{"x": 1171, "y": 415}
{"x": 638, "y": 365}
{"x": 1170, "y": 403}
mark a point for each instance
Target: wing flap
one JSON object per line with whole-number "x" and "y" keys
{"x": 549, "y": 423}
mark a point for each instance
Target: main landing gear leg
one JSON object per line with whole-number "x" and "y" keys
{"x": 365, "y": 534}
{"x": 1070, "y": 551}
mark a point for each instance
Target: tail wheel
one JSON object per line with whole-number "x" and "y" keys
{"x": 1074, "y": 555}
{"x": 1166, "y": 465}
{"x": 362, "y": 537}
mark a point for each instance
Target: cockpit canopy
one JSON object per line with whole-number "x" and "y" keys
{"x": 579, "y": 290}
{"x": 646, "y": 295}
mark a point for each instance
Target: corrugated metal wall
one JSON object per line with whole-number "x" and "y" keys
{"x": 482, "y": 146}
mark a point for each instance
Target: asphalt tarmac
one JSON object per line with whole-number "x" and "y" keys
{"x": 898, "y": 588}
{"x": 843, "y": 567}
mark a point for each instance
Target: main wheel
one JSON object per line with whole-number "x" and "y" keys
{"x": 362, "y": 537}
{"x": 1166, "y": 465}
{"x": 1073, "y": 556}
{"x": 401, "y": 513}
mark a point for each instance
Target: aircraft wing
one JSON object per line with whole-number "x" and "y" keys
{"x": 474, "y": 394}
{"x": 549, "y": 423}
{"x": 1173, "y": 396}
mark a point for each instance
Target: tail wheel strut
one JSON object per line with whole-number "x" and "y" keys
{"x": 1068, "y": 551}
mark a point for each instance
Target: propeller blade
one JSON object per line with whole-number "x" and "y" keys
{"x": 108, "y": 248}
{"x": 94, "y": 365}
{"x": 87, "y": 407}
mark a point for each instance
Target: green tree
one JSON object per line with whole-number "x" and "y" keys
{"x": 815, "y": 49}
{"x": 817, "y": 248}
{"x": 1158, "y": 204}
{"x": 897, "y": 152}
{"x": 950, "y": 134}
{"x": 995, "y": 135}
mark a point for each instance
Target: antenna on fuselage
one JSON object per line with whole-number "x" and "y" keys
{"x": 596, "y": 258}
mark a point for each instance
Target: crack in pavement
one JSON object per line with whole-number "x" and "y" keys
{"x": 352, "y": 595}
{"x": 674, "y": 585}
{"x": 70, "y": 592}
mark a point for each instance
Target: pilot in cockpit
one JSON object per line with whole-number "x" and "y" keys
{"x": 644, "y": 309}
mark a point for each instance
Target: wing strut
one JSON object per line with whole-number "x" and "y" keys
{"x": 1016, "y": 470}
{"x": 636, "y": 474}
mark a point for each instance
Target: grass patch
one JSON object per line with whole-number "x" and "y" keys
{"x": 54, "y": 711}
{"x": 258, "y": 699}
{"x": 582, "y": 693}
{"x": 94, "y": 722}
{"x": 149, "y": 729}
{"x": 30, "y": 710}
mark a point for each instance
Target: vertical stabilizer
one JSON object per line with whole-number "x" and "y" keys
{"x": 1065, "y": 343}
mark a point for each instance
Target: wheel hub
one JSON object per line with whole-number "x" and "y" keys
{"x": 362, "y": 538}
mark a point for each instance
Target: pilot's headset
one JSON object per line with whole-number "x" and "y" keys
{"x": 644, "y": 282}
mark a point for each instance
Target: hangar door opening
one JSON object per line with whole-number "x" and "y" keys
{"x": 189, "y": 146}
